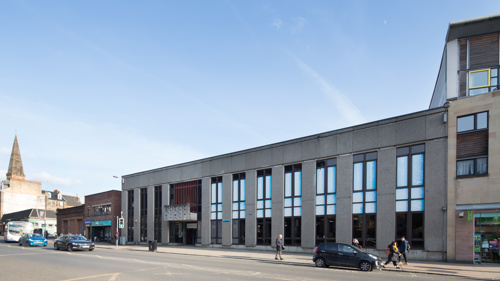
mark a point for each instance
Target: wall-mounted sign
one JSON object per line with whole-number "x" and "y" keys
{"x": 101, "y": 223}
{"x": 179, "y": 213}
{"x": 191, "y": 225}
{"x": 88, "y": 222}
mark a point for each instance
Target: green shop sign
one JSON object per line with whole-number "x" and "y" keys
{"x": 101, "y": 223}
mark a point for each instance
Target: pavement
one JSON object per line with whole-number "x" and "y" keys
{"x": 484, "y": 271}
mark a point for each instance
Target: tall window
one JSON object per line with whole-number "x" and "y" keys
{"x": 239, "y": 207}
{"x": 364, "y": 199}
{"x": 264, "y": 206}
{"x": 472, "y": 145}
{"x": 216, "y": 211}
{"x": 483, "y": 80}
{"x": 157, "y": 213}
{"x": 326, "y": 200}
{"x": 144, "y": 215}
{"x": 130, "y": 216}
{"x": 293, "y": 204}
{"x": 410, "y": 194}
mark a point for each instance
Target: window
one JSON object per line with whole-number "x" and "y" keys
{"x": 483, "y": 81}
{"x": 326, "y": 200}
{"x": 101, "y": 210}
{"x": 472, "y": 145}
{"x": 144, "y": 215}
{"x": 364, "y": 199}
{"x": 410, "y": 194}
{"x": 264, "y": 206}
{"x": 157, "y": 213}
{"x": 216, "y": 211}
{"x": 293, "y": 204}
{"x": 239, "y": 207}
{"x": 130, "y": 216}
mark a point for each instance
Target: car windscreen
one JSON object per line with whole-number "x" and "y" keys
{"x": 77, "y": 237}
{"x": 36, "y": 235}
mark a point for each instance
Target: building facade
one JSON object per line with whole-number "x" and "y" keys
{"x": 431, "y": 176}
{"x": 373, "y": 182}
{"x": 100, "y": 213}
{"x": 70, "y": 220}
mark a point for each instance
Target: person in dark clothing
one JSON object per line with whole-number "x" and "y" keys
{"x": 279, "y": 247}
{"x": 403, "y": 249}
{"x": 394, "y": 254}
{"x": 355, "y": 243}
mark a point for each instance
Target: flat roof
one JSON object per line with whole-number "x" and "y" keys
{"x": 474, "y": 26}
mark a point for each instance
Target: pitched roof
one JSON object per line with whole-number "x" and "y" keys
{"x": 72, "y": 200}
{"x": 15, "y": 164}
{"x": 28, "y": 213}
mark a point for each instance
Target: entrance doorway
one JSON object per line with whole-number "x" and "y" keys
{"x": 183, "y": 232}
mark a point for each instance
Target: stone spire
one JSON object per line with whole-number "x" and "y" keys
{"x": 16, "y": 164}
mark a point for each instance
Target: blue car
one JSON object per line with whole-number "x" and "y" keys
{"x": 32, "y": 239}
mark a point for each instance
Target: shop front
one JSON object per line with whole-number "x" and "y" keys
{"x": 100, "y": 231}
{"x": 486, "y": 237}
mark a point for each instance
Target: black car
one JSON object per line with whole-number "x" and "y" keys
{"x": 345, "y": 255}
{"x": 73, "y": 242}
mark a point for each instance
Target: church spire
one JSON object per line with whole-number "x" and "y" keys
{"x": 16, "y": 164}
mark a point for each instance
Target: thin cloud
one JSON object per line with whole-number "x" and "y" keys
{"x": 52, "y": 180}
{"x": 277, "y": 23}
{"x": 300, "y": 22}
{"x": 4, "y": 151}
{"x": 342, "y": 103}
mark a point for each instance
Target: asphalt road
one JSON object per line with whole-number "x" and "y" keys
{"x": 41, "y": 264}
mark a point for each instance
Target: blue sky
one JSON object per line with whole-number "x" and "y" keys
{"x": 95, "y": 89}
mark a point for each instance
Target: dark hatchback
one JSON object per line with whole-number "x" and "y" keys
{"x": 339, "y": 254}
{"x": 73, "y": 242}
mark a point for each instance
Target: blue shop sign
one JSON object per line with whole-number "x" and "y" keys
{"x": 88, "y": 222}
{"x": 101, "y": 223}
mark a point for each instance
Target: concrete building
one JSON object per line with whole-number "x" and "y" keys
{"x": 415, "y": 175}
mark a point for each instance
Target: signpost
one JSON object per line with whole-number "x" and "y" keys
{"x": 119, "y": 224}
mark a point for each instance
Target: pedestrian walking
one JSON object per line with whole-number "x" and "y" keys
{"x": 279, "y": 247}
{"x": 393, "y": 254}
{"x": 404, "y": 248}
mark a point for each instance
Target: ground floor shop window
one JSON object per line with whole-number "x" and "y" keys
{"x": 292, "y": 231}
{"x": 264, "y": 231}
{"x": 325, "y": 229}
{"x": 411, "y": 226}
{"x": 364, "y": 229}
{"x": 486, "y": 237}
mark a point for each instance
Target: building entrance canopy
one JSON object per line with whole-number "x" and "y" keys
{"x": 180, "y": 212}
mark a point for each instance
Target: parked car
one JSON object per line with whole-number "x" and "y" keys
{"x": 73, "y": 242}
{"x": 32, "y": 239}
{"x": 339, "y": 254}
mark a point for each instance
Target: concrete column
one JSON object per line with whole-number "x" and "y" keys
{"x": 151, "y": 213}
{"x": 308, "y": 204}
{"x": 278, "y": 219}
{"x": 124, "y": 230}
{"x": 137, "y": 215}
{"x": 386, "y": 197}
{"x": 227, "y": 209}
{"x": 205, "y": 211}
{"x": 165, "y": 227}
{"x": 344, "y": 199}
{"x": 251, "y": 209}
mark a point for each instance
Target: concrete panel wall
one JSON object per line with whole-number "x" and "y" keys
{"x": 227, "y": 209}
{"x": 124, "y": 231}
{"x": 278, "y": 219}
{"x": 137, "y": 215}
{"x": 151, "y": 213}
{"x": 251, "y": 209}
{"x": 205, "y": 211}
{"x": 386, "y": 197}
{"x": 344, "y": 199}
{"x": 165, "y": 200}
{"x": 308, "y": 236}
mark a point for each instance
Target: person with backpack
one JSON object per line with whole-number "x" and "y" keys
{"x": 404, "y": 248}
{"x": 392, "y": 254}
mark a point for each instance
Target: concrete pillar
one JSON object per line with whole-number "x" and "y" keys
{"x": 251, "y": 209}
{"x": 308, "y": 204}
{"x": 165, "y": 227}
{"x": 344, "y": 199}
{"x": 227, "y": 206}
{"x": 278, "y": 219}
{"x": 205, "y": 211}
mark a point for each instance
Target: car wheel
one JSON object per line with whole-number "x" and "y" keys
{"x": 70, "y": 248}
{"x": 320, "y": 262}
{"x": 91, "y": 249}
{"x": 56, "y": 247}
{"x": 365, "y": 266}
